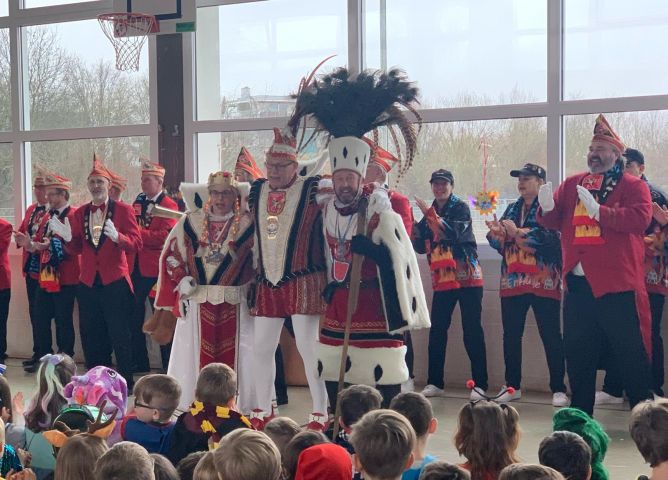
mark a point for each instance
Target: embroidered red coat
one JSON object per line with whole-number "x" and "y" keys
{"x": 108, "y": 259}
{"x": 154, "y": 232}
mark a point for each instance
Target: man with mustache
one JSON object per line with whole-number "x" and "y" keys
{"x": 103, "y": 231}
{"x": 602, "y": 216}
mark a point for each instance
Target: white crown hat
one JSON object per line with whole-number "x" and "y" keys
{"x": 349, "y": 153}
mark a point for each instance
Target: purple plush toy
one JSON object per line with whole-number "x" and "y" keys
{"x": 95, "y": 386}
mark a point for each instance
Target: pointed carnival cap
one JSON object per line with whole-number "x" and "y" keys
{"x": 603, "y": 132}
{"x": 380, "y": 156}
{"x": 246, "y": 162}
{"x": 151, "y": 168}
{"x": 284, "y": 146}
{"x": 99, "y": 170}
{"x": 121, "y": 183}
{"x": 56, "y": 181}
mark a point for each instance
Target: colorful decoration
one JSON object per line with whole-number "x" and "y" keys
{"x": 485, "y": 201}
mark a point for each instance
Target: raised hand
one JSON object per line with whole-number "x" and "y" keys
{"x": 589, "y": 202}
{"x": 660, "y": 214}
{"x": 546, "y": 197}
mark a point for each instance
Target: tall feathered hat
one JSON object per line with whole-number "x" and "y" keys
{"x": 347, "y": 106}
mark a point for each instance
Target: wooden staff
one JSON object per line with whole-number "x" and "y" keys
{"x": 353, "y": 295}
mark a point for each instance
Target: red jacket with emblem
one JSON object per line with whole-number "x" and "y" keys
{"x": 618, "y": 264}
{"x": 25, "y": 227}
{"x": 108, "y": 258}
{"x": 5, "y": 240}
{"x": 402, "y": 206}
{"x": 154, "y": 232}
{"x": 69, "y": 267}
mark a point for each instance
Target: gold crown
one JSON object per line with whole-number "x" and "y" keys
{"x": 224, "y": 179}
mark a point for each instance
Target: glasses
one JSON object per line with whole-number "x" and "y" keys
{"x": 143, "y": 405}
{"x": 277, "y": 166}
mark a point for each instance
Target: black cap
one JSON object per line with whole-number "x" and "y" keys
{"x": 530, "y": 169}
{"x": 442, "y": 174}
{"x": 633, "y": 155}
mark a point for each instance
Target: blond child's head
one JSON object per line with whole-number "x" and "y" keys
{"x": 281, "y": 430}
{"x": 206, "y": 468}
{"x": 383, "y": 441}
{"x": 247, "y": 455}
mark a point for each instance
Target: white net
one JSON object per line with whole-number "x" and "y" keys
{"x": 127, "y": 33}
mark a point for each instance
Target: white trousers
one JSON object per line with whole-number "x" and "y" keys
{"x": 267, "y": 335}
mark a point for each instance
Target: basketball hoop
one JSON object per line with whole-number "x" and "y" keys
{"x": 127, "y": 33}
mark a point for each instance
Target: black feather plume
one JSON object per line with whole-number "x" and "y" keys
{"x": 353, "y": 105}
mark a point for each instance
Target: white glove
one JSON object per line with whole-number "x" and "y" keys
{"x": 63, "y": 230}
{"x": 110, "y": 230}
{"x": 186, "y": 286}
{"x": 379, "y": 201}
{"x": 172, "y": 262}
{"x": 589, "y": 202}
{"x": 546, "y": 198}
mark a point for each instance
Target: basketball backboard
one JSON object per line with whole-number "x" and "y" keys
{"x": 173, "y": 16}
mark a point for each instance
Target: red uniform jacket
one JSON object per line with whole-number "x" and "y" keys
{"x": 154, "y": 231}
{"x": 617, "y": 265}
{"x": 402, "y": 206}
{"x": 108, "y": 259}
{"x": 69, "y": 267}
{"x": 30, "y": 219}
{"x": 5, "y": 240}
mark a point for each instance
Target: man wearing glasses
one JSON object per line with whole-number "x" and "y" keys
{"x": 291, "y": 273}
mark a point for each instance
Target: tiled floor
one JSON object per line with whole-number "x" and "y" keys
{"x": 623, "y": 461}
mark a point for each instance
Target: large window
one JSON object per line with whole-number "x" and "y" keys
{"x": 250, "y": 57}
{"x": 5, "y": 90}
{"x": 4, "y": 8}
{"x": 463, "y": 53}
{"x": 74, "y": 158}
{"x": 615, "y": 48}
{"x": 458, "y": 147}
{"x": 6, "y": 183}
{"x": 644, "y": 131}
{"x": 48, "y": 3}
{"x": 74, "y": 83}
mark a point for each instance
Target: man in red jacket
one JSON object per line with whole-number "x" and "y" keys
{"x": 602, "y": 216}
{"x": 58, "y": 273}
{"x": 154, "y": 231}
{"x": 103, "y": 231}
{"x": 5, "y": 284}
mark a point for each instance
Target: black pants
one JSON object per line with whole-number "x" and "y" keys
{"x": 387, "y": 391}
{"x": 514, "y": 313}
{"x": 613, "y": 384}
{"x": 31, "y": 288}
{"x": 104, "y": 317}
{"x": 280, "y": 384}
{"x": 470, "y": 305}
{"x": 142, "y": 287}
{"x": 587, "y": 321}
{"x": 5, "y": 297}
{"x": 59, "y": 307}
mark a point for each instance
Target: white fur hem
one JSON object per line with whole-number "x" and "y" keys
{"x": 368, "y": 366}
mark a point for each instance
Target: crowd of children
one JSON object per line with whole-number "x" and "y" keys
{"x": 211, "y": 440}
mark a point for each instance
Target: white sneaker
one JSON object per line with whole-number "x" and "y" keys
{"x": 560, "y": 399}
{"x": 477, "y": 394}
{"x": 509, "y": 397}
{"x": 408, "y": 386}
{"x": 602, "y": 398}
{"x": 433, "y": 391}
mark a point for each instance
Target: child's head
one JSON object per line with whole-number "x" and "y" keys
{"x": 440, "y": 470}
{"x": 156, "y": 398}
{"x": 55, "y": 371}
{"x": 487, "y": 435}
{"x": 76, "y": 459}
{"x": 5, "y": 399}
{"x": 247, "y": 455}
{"x": 527, "y": 471}
{"x": 383, "y": 441}
{"x": 186, "y": 466}
{"x": 123, "y": 461}
{"x": 649, "y": 431}
{"x": 216, "y": 384}
{"x": 294, "y": 448}
{"x": 417, "y": 409}
{"x": 357, "y": 400}
{"x": 567, "y": 453}
{"x": 163, "y": 468}
{"x": 205, "y": 468}
{"x": 281, "y": 430}
{"x": 577, "y": 421}
{"x": 324, "y": 461}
